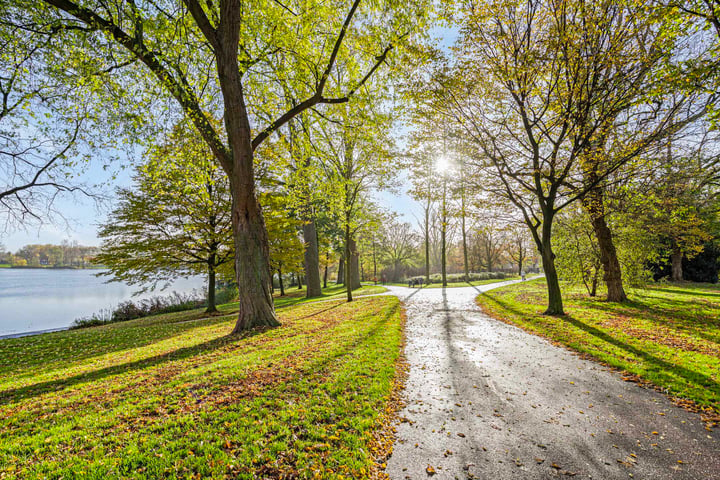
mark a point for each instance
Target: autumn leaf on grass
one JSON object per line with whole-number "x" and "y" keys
{"x": 430, "y": 470}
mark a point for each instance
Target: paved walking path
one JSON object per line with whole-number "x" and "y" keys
{"x": 487, "y": 400}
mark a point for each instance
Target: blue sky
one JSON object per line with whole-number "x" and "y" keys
{"x": 81, "y": 214}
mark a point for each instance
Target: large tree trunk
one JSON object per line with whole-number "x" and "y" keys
{"x": 251, "y": 256}
{"x": 443, "y": 236}
{"x": 312, "y": 260}
{"x": 427, "y": 245}
{"x": 608, "y": 257}
{"x": 280, "y": 281}
{"x": 374, "y": 263}
{"x": 594, "y": 203}
{"x": 341, "y": 271}
{"x": 354, "y": 265}
{"x": 555, "y": 303}
{"x": 593, "y": 290}
{"x": 676, "y": 263}
{"x": 521, "y": 257}
{"x": 464, "y": 236}
{"x": 211, "y": 307}
{"x": 348, "y": 255}
{"x": 465, "y": 252}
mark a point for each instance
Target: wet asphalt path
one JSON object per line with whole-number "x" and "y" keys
{"x": 487, "y": 400}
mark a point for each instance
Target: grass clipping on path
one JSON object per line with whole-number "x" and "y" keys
{"x": 667, "y": 336}
{"x": 173, "y": 396}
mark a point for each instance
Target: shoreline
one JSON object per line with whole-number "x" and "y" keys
{"x": 18, "y": 267}
{"x": 34, "y": 332}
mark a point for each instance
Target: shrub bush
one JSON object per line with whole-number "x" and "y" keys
{"x": 129, "y": 310}
{"x": 100, "y": 318}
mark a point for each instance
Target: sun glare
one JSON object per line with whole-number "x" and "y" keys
{"x": 442, "y": 165}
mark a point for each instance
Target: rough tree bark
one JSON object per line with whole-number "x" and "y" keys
{"x": 341, "y": 271}
{"x": 595, "y": 206}
{"x": 251, "y": 253}
{"x": 211, "y": 307}
{"x": 427, "y": 245}
{"x": 464, "y": 232}
{"x": 354, "y": 264}
{"x": 555, "y": 302}
{"x": 280, "y": 281}
{"x": 464, "y": 245}
{"x": 443, "y": 235}
{"x": 676, "y": 264}
{"x": 312, "y": 259}
{"x": 521, "y": 258}
{"x": 348, "y": 255}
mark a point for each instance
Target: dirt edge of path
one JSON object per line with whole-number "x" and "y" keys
{"x": 385, "y": 435}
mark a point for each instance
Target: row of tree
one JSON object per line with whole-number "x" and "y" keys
{"x": 543, "y": 110}
{"x": 67, "y": 254}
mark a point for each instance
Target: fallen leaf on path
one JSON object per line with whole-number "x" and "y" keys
{"x": 430, "y": 470}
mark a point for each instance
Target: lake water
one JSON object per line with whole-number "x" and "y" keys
{"x": 39, "y": 299}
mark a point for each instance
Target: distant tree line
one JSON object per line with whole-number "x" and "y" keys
{"x": 67, "y": 254}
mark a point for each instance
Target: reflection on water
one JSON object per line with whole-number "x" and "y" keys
{"x": 39, "y": 299}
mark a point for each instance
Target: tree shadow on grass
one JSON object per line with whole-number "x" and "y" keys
{"x": 21, "y": 393}
{"x": 336, "y": 305}
{"x": 376, "y": 325}
{"x": 699, "y": 292}
{"x": 674, "y": 319}
{"x": 72, "y": 346}
{"x": 661, "y": 368}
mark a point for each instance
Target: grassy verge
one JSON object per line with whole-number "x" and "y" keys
{"x": 172, "y": 396}
{"x": 295, "y": 296}
{"x": 666, "y": 335}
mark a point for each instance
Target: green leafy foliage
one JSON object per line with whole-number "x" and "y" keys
{"x": 175, "y": 221}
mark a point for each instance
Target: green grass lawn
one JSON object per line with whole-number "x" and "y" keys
{"x": 294, "y": 296}
{"x": 668, "y": 335}
{"x": 173, "y": 396}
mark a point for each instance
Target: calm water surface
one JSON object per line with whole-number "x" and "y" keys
{"x": 37, "y": 299}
